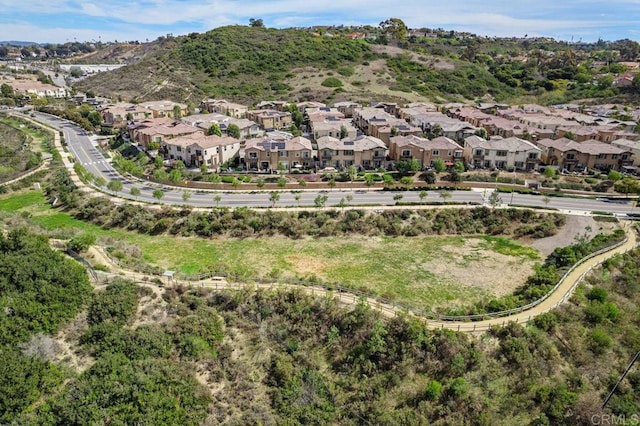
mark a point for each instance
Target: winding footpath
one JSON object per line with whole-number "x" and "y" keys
{"x": 558, "y": 296}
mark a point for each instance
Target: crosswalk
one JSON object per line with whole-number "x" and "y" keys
{"x": 94, "y": 163}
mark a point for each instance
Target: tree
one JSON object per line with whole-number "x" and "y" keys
{"x": 546, "y": 200}
{"x": 387, "y": 180}
{"x": 99, "y": 181}
{"x": 614, "y": 175}
{"x": 233, "y": 130}
{"x": 394, "y": 28}
{"x": 6, "y": 90}
{"x": 458, "y": 166}
{"x": 408, "y": 166}
{"x": 343, "y": 132}
{"x": 177, "y": 112}
{"x": 235, "y": 183}
{"x": 494, "y": 199}
{"x": 260, "y": 183}
{"x": 256, "y": 23}
{"x": 369, "y": 180}
{"x": 274, "y": 197}
{"x": 302, "y": 183}
{"x": 297, "y": 198}
{"x": 282, "y": 182}
{"x": 320, "y": 200}
{"x": 445, "y": 195}
{"x": 407, "y": 181}
{"x": 349, "y": 198}
{"x": 482, "y": 132}
{"x": 353, "y": 173}
{"x": 158, "y": 194}
{"x": 397, "y": 197}
{"x": 423, "y": 194}
{"x": 203, "y": 168}
{"x": 158, "y": 162}
{"x": 627, "y": 185}
{"x": 135, "y": 192}
{"x": 115, "y": 186}
{"x": 438, "y": 165}
{"x": 216, "y": 199}
{"x": 549, "y": 172}
{"x": 186, "y": 195}
{"x": 214, "y": 129}
{"x": 175, "y": 176}
{"x": 332, "y": 182}
{"x": 179, "y": 165}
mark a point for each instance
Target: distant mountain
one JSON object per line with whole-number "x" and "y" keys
{"x": 18, "y": 43}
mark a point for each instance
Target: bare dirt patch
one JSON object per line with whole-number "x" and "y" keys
{"x": 476, "y": 267}
{"x": 575, "y": 227}
{"x": 307, "y": 264}
{"x": 431, "y": 62}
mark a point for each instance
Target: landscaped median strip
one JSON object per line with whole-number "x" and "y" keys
{"x": 559, "y": 295}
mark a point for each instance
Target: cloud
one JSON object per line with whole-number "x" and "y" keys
{"x": 131, "y": 19}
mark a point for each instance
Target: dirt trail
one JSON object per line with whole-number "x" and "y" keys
{"x": 559, "y": 296}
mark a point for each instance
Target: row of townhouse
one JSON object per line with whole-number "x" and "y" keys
{"x": 120, "y": 114}
{"x": 270, "y": 118}
{"x": 197, "y": 149}
{"x": 221, "y": 106}
{"x": 501, "y": 153}
{"x": 248, "y": 129}
{"x": 158, "y": 130}
{"x": 363, "y": 152}
{"x": 379, "y": 123}
{"x": 578, "y": 156}
{"x": 270, "y": 153}
{"x": 425, "y": 151}
{"x": 37, "y": 89}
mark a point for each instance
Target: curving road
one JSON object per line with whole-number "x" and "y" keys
{"x": 86, "y": 152}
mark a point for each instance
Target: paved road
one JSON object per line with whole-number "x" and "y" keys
{"x": 87, "y": 153}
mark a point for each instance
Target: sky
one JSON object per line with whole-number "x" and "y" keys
{"x": 58, "y": 21}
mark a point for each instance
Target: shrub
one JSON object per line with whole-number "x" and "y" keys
{"x": 433, "y": 390}
{"x": 332, "y": 82}
{"x": 599, "y": 341}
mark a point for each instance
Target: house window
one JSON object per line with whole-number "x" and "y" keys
{"x": 378, "y": 154}
{"x": 570, "y": 157}
{"x": 305, "y": 154}
{"x": 625, "y": 156}
{"x": 614, "y": 156}
{"x": 533, "y": 156}
{"x": 458, "y": 154}
{"x": 347, "y": 152}
{"x": 449, "y": 154}
{"x": 478, "y": 152}
{"x": 602, "y": 156}
{"x": 435, "y": 153}
{"x": 283, "y": 154}
{"x": 519, "y": 165}
{"x": 501, "y": 153}
{"x": 179, "y": 148}
{"x": 253, "y": 155}
{"x": 406, "y": 153}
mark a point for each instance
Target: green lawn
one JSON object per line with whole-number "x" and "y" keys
{"x": 397, "y": 268}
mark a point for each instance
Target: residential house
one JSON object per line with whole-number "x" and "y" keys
{"x": 363, "y": 152}
{"x": 395, "y": 128}
{"x": 363, "y": 117}
{"x": 281, "y": 106}
{"x": 322, "y": 114}
{"x": 248, "y": 129}
{"x": 633, "y": 146}
{"x": 270, "y": 119}
{"x": 33, "y": 88}
{"x": 347, "y": 108}
{"x": 118, "y": 115}
{"x": 158, "y": 130}
{"x": 224, "y": 107}
{"x": 578, "y": 156}
{"x": 501, "y": 153}
{"x": 303, "y": 106}
{"x": 403, "y": 148}
{"x": 269, "y": 154}
{"x": 167, "y": 109}
{"x": 390, "y": 108}
{"x": 333, "y": 128}
{"x": 197, "y": 149}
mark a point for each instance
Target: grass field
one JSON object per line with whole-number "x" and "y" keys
{"x": 423, "y": 271}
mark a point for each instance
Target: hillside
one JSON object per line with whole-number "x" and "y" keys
{"x": 247, "y": 64}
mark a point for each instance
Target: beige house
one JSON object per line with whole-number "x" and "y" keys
{"x": 197, "y": 149}
{"x": 403, "y": 148}
{"x": 333, "y": 128}
{"x": 364, "y": 152}
{"x": 221, "y": 106}
{"x": 167, "y": 109}
{"x": 118, "y": 115}
{"x": 35, "y": 88}
{"x": 504, "y": 154}
{"x": 270, "y": 119}
{"x": 159, "y": 130}
{"x": 578, "y": 156}
{"x": 632, "y": 146}
{"x": 248, "y": 129}
{"x": 269, "y": 154}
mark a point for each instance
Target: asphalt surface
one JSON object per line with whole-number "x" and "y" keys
{"x": 86, "y": 152}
